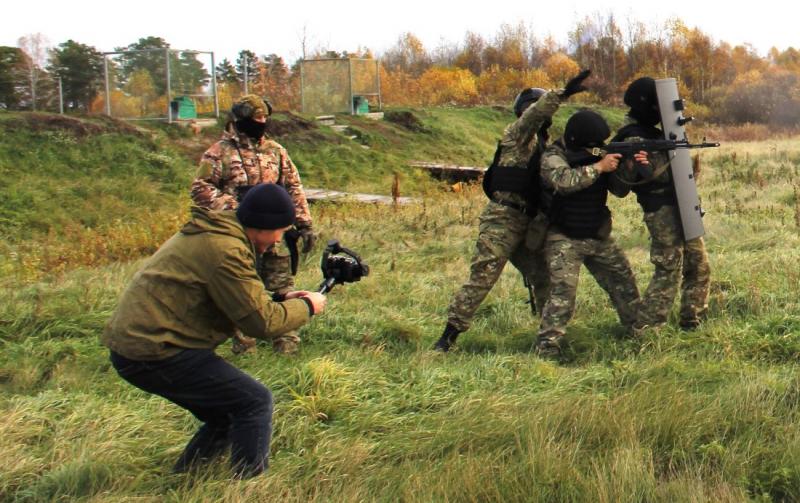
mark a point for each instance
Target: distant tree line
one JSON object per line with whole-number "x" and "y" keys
{"x": 725, "y": 84}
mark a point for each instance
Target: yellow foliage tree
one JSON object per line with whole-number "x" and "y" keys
{"x": 559, "y": 68}
{"x": 440, "y": 86}
{"x": 141, "y": 86}
{"x": 497, "y": 85}
{"x": 399, "y": 88}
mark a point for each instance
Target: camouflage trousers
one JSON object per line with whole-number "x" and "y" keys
{"x": 274, "y": 269}
{"x": 674, "y": 259}
{"x": 503, "y": 234}
{"x": 605, "y": 261}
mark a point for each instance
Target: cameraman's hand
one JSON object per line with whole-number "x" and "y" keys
{"x": 575, "y": 84}
{"x": 608, "y": 163}
{"x": 318, "y": 301}
{"x": 308, "y": 237}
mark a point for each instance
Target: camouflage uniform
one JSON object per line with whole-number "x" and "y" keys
{"x": 506, "y": 231}
{"x": 238, "y": 161}
{"x": 565, "y": 255}
{"x": 673, "y": 257}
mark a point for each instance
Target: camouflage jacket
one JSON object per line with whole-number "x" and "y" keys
{"x": 558, "y": 176}
{"x": 236, "y": 161}
{"x": 519, "y": 139}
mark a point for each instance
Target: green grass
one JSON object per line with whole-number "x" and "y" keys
{"x": 366, "y": 412}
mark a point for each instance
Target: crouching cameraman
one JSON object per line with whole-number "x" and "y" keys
{"x": 190, "y": 297}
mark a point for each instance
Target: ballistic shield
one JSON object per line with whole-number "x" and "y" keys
{"x": 673, "y": 122}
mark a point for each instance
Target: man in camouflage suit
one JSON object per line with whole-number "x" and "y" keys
{"x": 511, "y": 227}
{"x": 243, "y": 158}
{"x": 673, "y": 257}
{"x": 575, "y": 189}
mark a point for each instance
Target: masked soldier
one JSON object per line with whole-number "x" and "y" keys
{"x": 511, "y": 226}
{"x": 575, "y": 187}
{"x": 673, "y": 257}
{"x": 243, "y": 158}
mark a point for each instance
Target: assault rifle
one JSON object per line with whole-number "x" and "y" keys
{"x": 629, "y": 148}
{"x": 591, "y": 155}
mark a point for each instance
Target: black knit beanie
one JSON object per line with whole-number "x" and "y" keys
{"x": 266, "y": 206}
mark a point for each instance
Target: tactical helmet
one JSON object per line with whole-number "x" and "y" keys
{"x": 586, "y": 128}
{"x": 247, "y": 106}
{"x": 526, "y": 98}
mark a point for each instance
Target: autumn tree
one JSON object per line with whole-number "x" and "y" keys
{"x": 743, "y": 58}
{"x": 559, "y": 68}
{"x": 226, "y": 72}
{"x": 470, "y": 57}
{"x": 35, "y": 46}
{"x": 540, "y": 51}
{"x": 788, "y": 59}
{"x": 771, "y": 97}
{"x": 273, "y": 81}
{"x": 187, "y": 74}
{"x": 246, "y": 67}
{"x": 407, "y": 55}
{"x": 145, "y": 56}
{"x": 699, "y": 59}
{"x": 140, "y": 84}
{"x": 510, "y": 48}
{"x": 13, "y": 74}
{"x": 80, "y": 68}
{"x": 597, "y": 44}
{"x": 448, "y": 85}
{"x": 499, "y": 86}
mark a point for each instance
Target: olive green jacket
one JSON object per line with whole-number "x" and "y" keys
{"x": 195, "y": 291}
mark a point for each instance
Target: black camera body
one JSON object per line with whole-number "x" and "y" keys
{"x": 340, "y": 265}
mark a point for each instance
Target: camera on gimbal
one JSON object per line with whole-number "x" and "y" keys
{"x": 340, "y": 265}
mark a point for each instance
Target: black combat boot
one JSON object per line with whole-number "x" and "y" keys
{"x": 447, "y": 339}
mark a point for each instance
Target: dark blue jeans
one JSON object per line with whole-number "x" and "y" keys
{"x": 236, "y": 410}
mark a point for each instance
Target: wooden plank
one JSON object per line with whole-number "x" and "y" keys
{"x": 313, "y": 195}
{"x": 450, "y": 172}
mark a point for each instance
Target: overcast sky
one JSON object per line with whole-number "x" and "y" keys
{"x": 278, "y": 26}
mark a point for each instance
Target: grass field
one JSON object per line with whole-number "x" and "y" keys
{"x": 366, "y": 412}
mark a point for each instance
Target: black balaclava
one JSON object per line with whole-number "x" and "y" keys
{"x": 252, "y": 128}
{"x": 586, "y": 128}
{"x": 642, "y": 98}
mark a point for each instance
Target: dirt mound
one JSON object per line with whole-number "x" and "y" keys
{"x": 77, "y": 126}
{"x": 406, "y": 120}
{"x": 287, "y": 123}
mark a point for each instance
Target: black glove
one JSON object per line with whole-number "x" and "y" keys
{"x": 308, "y": 237}
{"x": 575, "y": 84}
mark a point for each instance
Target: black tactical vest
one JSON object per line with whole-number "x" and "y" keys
{"x": 522, "y": 181}
{"x": 654, "y": 194}
{"x": 582, "y": 214}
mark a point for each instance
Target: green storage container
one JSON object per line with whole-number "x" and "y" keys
{"x": 183, "y": 108}
{"x": 360, "y": 105}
